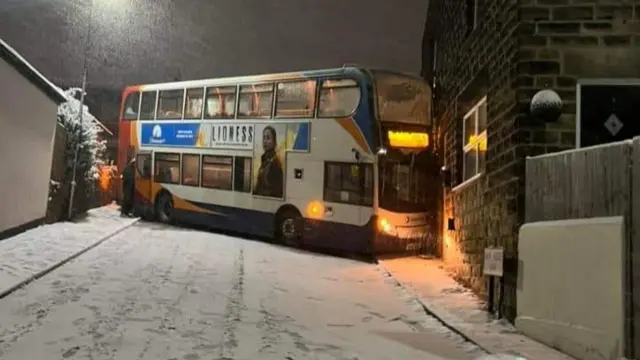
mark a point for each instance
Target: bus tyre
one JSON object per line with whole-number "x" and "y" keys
{"x": 164, "y": 208}
{"x": 289, "y": 228}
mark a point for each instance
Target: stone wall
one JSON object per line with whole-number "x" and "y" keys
{"x": 517, "y": 48}
{"x": 472, "y": 63}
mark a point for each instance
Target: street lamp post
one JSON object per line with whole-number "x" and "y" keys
{"x": 85, "y": 68}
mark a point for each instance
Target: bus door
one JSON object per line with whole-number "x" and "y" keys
{"x": 143, "y": 182}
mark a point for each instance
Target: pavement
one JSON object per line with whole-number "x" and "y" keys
{"x": 462, "y": 311}
{"x": 152, "y": 291}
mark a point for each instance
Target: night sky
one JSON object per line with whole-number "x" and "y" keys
{"x": 141, "y": 41}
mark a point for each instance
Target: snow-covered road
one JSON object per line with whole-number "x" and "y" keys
{"x": 157, "y": 292}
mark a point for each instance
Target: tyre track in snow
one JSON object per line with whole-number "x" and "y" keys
{"x": 233, "y": 309}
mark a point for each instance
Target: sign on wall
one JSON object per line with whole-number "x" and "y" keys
{"x": 493, "y": 262}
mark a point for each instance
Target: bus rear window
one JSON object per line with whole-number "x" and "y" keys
{"x": 338, "y": 98}
{"x": 131, "y": 106}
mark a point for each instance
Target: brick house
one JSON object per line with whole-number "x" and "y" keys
{"x": 485, "y": 60}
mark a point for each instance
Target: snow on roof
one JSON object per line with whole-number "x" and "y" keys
{"x": 13, "y": 58}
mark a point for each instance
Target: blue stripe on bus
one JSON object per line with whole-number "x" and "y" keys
{"x": 302, "y": 138}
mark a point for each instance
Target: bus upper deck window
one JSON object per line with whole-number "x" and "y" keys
{"x": 338, "y": 98}
{"x": 131, "y": 106}
{"x": 170, "y": 104}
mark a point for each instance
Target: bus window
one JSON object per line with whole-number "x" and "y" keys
{"x": 191, "y": 169}
{"x": 170, "y": 104}
{"x": 131, "y": 106}
{"x": 242, "y": 174}
{"x": 217, "y": 172}
{"x": 167, "y": 168}
{"x": 296, "y": 98}
{"x": 343, "y": 184}
{"x": 193, "y": 108}
{"x": 338, "y": 98}
{"x": 221, "y": 102}
{"x": 255, "y": 100}
{"x": 148, "y": 105}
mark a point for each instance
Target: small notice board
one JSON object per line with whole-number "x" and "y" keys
{"x": 493, "y": 261}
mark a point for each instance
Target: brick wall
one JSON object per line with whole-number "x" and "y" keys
{"x": 517, "y": 48}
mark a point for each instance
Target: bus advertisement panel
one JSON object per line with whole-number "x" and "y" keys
{"x": 321, "y": 158}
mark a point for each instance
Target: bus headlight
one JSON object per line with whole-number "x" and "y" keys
{"x": 385, "y": 226}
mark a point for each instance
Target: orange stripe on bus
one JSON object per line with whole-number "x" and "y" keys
{"x": 350, "y": 126}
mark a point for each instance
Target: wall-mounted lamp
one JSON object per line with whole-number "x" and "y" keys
{"x": 446, "y": 177}
{"x": 546, "y": 105}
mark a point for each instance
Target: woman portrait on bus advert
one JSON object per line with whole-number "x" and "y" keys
{"x": 270, "y": 178}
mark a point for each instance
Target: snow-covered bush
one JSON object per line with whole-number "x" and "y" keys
{"x": 82, "y": 135}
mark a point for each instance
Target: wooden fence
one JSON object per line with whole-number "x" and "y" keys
{"x": 597, "y": 181}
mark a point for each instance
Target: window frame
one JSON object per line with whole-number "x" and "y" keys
{"x": 273, "y": 99}
{"x": 185, "y": 102}
{"x": 233, "y": 176}
{"x": 182, "y": 162}
{"x": 342, "y": 164}
{"x": 203, "y": 162}
{"x": 320, "y": 86}
{"x": 236, "y": 95}
{"x": 468, "y": 146}
{"x": 158, "y": 102}
{"x": 124, "y": 106}
{"x": 316, "y": 89}
{"x": 155, "y": 160}
{"x": 154, "y": 111}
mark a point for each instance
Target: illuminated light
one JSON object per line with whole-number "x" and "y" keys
{"x": 480, "y": 140}
{"x": 315, "y": 209}
{"x": 412, "y": 140}
{"x": 385, "y": 226}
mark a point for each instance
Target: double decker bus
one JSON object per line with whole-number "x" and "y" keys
{"x": 333, "y": 158}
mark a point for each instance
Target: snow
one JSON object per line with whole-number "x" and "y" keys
{"x": 157, "y": 292}
{"x": 31, "y": 252}
{"x": 464, "y": 311}
{"x": 30, "y": 67}
{"x": 82, "y": 133}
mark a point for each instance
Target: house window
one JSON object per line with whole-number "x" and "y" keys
{"x": 474, "y": 140}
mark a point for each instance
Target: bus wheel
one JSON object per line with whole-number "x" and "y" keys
{"x": 289, "y": 228}
{"x": 164, "y": 208}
